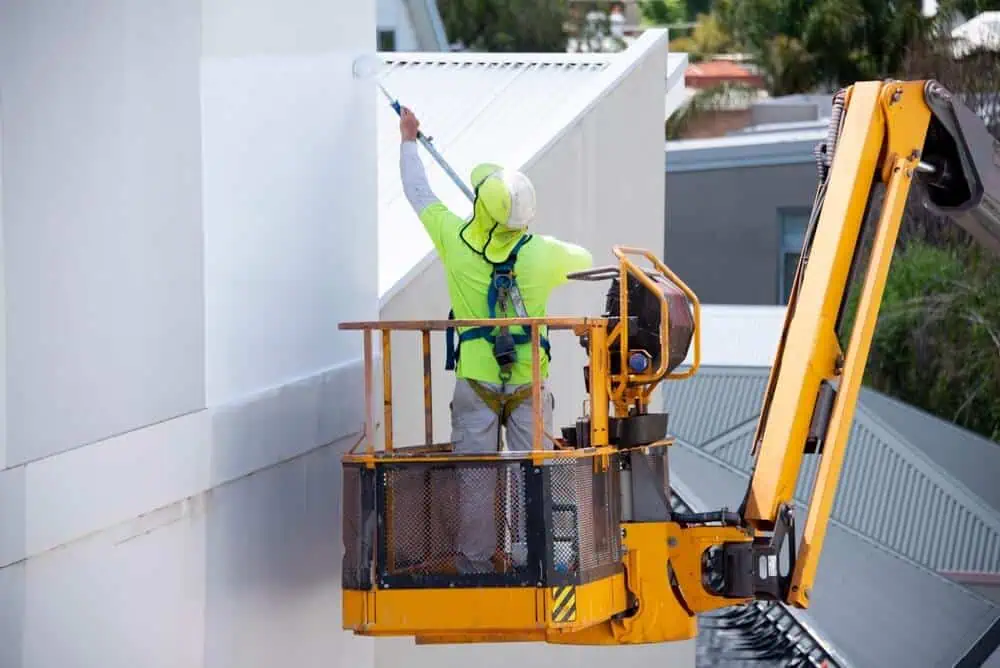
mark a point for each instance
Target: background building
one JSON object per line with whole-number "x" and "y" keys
{"x": 409, "y": 25}
{"x": 737, "y": 208}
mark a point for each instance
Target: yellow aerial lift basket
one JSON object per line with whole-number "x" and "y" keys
{"x": 549, "y": 520}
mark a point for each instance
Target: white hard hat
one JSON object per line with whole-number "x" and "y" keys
{"x": 507, "y": 194}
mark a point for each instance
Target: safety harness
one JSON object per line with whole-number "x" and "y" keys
{"x": 503, "y": 297}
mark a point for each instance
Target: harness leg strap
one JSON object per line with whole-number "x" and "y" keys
{"x": 501, "y": 404}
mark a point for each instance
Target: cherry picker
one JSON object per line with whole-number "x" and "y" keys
{"x": 594, "y": 553}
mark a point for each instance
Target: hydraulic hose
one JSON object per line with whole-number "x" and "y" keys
{"x": 723, "y": 516}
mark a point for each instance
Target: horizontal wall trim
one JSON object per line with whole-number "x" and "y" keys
{"x": 68, "y": 496}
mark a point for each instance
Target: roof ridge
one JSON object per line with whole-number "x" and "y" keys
{"x": 715, "y": 443}
{"x": 927, "y": 415}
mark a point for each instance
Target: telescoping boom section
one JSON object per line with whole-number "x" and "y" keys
{"x": 585, "y": 547}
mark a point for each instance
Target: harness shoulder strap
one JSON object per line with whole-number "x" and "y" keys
{"x": 502, "y": 279}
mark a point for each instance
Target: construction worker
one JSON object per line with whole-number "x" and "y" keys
{"x": 492, "y": 367}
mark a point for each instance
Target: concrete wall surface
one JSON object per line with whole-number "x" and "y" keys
{"x": 176, "y": 181}
{"x": 391, "y": 652}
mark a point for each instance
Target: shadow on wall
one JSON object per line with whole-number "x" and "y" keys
{"x": 393, "y": 652}
{"x": 273, "y": 567}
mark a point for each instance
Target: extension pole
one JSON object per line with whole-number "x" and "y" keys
{"x": 426, "y": 142}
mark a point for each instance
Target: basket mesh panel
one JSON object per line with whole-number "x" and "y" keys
{"x": 358, "y": 532}
{"x": 585, "y": 530}
{"x": 452, "y": 519}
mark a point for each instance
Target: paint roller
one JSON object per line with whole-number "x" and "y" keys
{"x": 372, "y": 67}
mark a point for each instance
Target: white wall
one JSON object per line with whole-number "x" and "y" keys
{"x": 738, "y": 335}
{"x": 182, "y": 231}
{"x": 598, "y": 185}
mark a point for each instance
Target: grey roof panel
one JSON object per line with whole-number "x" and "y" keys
{"x": 967, "y": 456}
{"x": 889, "y": 491}
{"x": 875, "y": 608}
{"x": 713, "y": 402}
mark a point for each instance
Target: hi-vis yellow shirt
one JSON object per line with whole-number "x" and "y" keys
{"x": 542, "y": 265}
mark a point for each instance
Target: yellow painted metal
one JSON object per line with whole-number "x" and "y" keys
{"x": 810, "y": 352}
{"x": 431, "y": 457}
{"x": 687, "y": 545}
{"x": 490, "y": 614}
{"x": 903, "y": 105}
{"x": 599, "y": 359}
{"x": 658, "y": 615}
{"x": 625, "y": 389}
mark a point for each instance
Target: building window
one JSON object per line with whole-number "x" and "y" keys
{"x": 793, "y": 235}
{"x": 386, "y": 40}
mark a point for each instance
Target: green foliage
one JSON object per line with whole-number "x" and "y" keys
{"x": 506, "y": 25}
{"x": 802, "y": 46}
{"x": 662, "y": 12}
{"x": 697, "y": 7}
{"x": 967, "y": 8}
{"x": 708, "y": 38}
{"x": 937, "y": 341}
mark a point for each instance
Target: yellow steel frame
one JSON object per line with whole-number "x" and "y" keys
{"x": 628, "y": 388}
{"x": 883, "y": 134}
{"x": 517, "y": 613}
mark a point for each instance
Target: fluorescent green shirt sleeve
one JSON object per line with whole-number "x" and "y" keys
{"x": 440, "y": 224}
{"x": 565, "y": 258}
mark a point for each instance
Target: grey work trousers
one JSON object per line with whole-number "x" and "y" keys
{"x": 482, "y": 513}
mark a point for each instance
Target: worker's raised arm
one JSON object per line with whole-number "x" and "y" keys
{"x": 411, "y": 170}
{"x": 433, "y": 214}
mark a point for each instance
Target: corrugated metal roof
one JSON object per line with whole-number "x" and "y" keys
{"x": 481, "y": 107}
{"x": 874, "y": 608}
{"x": 970, "y": 458}
{"x": 713, "y": 403}
{"x": 890, "y": 491}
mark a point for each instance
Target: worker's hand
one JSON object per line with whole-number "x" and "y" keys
{"x": 409, "y": 126}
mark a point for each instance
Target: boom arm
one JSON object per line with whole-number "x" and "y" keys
{"x": 893, "y": 133}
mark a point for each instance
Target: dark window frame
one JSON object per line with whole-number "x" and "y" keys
{"x": 792, "y": 225}
{"x": 385, "y": 39}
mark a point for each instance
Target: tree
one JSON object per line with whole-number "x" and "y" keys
{"x": 824, "y": 44}
{"x": 662, "y": 12}
{"x": 937, "y": 342}
{"x": 506, "y": 25}
{"x": 708, "y": 38}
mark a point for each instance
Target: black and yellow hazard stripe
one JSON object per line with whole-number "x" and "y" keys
{"x": 564, "y": 604}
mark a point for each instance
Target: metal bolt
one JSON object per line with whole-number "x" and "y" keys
{"x": 672, "y": 542}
